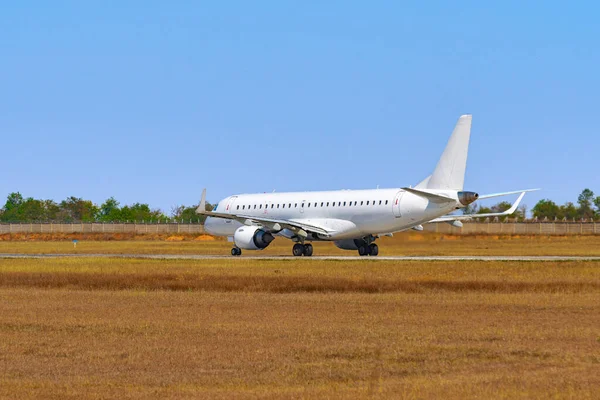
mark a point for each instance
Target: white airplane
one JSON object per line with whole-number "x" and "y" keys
{"x": 352, "y": 219}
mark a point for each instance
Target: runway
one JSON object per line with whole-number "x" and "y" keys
{"x": 322, "y": 258}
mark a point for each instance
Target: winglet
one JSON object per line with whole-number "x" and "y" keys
{"x": 515, "y": 205}
{"x": 202, "y": 207}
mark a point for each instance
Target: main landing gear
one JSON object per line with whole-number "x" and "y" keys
{"x": 236, "y": 251}
{"x": 302, "y": 250}
{"x": 368, "y": 250}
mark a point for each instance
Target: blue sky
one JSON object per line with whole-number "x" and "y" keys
{"x": 151, "y": 101}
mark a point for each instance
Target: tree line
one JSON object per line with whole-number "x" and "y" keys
{"x": 75, "y": 209}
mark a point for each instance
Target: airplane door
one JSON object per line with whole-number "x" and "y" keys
{"x": 396, "y": 204}
{"x": 229, "y": 206}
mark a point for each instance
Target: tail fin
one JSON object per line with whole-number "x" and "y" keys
{"x": 450, "y": 170}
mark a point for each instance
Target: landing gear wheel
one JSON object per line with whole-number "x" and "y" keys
{"x": 298, "y": 250}
{"x": 373, "y": 249}
{"x": 236, "y": 251}
{"x": 308, "y": 250}
{"x": 363, "y": 250}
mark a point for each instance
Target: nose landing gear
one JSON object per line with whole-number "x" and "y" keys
{"x": 236, "y": 251}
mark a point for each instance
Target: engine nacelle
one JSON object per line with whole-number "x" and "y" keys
{"x": 467, "y": 198}
{"x": 252, "y": 238}
{"x": 349, "y": 244}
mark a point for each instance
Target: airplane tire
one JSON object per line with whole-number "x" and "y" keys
{"x": 373, "y": 249}
{"x": 298, "y": 250}
{"x": 363, "y": 250}
{"x": 308, "y": 250}
{"x": 236, "y": 252}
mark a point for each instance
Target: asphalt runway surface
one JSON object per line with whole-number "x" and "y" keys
{"x": 324, "y": 258}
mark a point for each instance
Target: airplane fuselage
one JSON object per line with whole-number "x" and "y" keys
{"x": 347, "y": 214}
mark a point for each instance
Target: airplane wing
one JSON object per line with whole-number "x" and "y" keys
{"x": 273, "y": 224}
{"x": 449, "y": 218}
{"x": 487, "y": 196}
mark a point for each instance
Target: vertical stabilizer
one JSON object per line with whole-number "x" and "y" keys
{"x": 450, "y": 170}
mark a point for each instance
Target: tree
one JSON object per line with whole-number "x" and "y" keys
{"x": 77, "y": 209}
{"x": 187, "y": 214}
{"x": 470, "y": 209}
{"x": 140, "y": 212}
{"x": 546, "y": 208}
{"x": 13, "y": 201}
{"x": 110, "y": 211}
{"x": 12, "y": 207}
{"x": 585, "y": 203}
{"x": 501, "y": 207}
{"x": 568, "y": 210}
{"x": 597, "y": 204}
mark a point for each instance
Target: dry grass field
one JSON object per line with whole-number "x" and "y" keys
{"x": 243, "y": 328}
{"x": 406, "y": 243}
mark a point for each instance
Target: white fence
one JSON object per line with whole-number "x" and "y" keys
{"x": 518, "y": 228}
{"x": 496, "y": 228}
{"x": 100, "y": 228}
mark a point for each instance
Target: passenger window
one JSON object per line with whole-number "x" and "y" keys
{"x": 238, "y": 207}
{"x": 255, "y": 206}
{"x": 272, "y": 205}
{"x": 260, "y": 206}
{"x": 295, "y": 205}
{"x": 339, "y": 203}
{"x": 309, "y": 205}
{"x": 283, "y": 205}
{"x": 355, "y": 202}
{"x": 290, "y": 205}
{"x": 379, "y": 202}
{"x": 373, "y": 202}
{"x": 344, "y": 204}
{"x": 302, "y": 205}
{"x": 243, "y": 207}
{"x": 333, "y": 204}
{"x": 367, "y": 203}
{"x": 361, "y": 203}
{"x": 386, "y": 202}
{"x": 327, "y": 204}
{"x": 277, "y": 205}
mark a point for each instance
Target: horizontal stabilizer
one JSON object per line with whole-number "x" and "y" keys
{"x": 511, "y": 210}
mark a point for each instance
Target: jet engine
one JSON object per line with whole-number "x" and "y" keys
{"x": 252, "y": 238}
{"x": 467, "y": 198}
{"x": 350, "y": 244}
